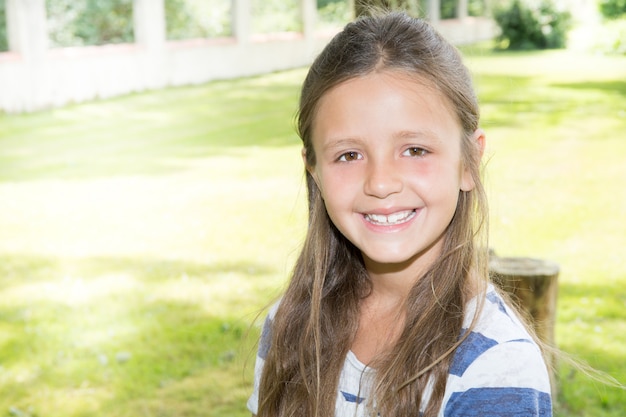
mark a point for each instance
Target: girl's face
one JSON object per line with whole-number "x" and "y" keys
{"x": 388, "y": 152}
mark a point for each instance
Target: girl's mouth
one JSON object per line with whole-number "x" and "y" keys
{"x": 391, "y": 219}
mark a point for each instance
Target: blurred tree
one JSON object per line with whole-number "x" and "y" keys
{"x": 413, "y": 7}
{"x": 323, "y": 3}
{"x": 477, "y": 7}
{"x": 178, "y": 19}
{"x": 613, "y": 9}
{"x": 187, "y": 19}
{"x": 89, "y": 22}
{"x": 448, "y": 8}
{"x": 526, "y": 26}
{"x": 4, "y": 42}
{"x": 270, "y": 16}
{"x": 333, "y": 12}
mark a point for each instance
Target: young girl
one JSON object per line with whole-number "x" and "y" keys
{"x": 389, "y": 311}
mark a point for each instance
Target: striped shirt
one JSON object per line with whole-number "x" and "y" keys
{"x": 498, "y": 370}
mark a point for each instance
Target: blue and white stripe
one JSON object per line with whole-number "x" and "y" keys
{"x": 497, "y": 371}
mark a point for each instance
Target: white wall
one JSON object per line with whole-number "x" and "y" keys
{"x": 34, "y": 77}
{"x": 73, "y": 75}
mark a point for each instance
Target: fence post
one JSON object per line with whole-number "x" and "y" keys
{"x": 27, "y": 32}
{"x": 150, "y": 35}
{"x": 532, "y": 285}
{"x": 433, "y": 12}
{"x": 242, "y": 20}
{"x": 461, "y": 9}
{"x": 308, "y": 9}
{"x": 149, "y": 23}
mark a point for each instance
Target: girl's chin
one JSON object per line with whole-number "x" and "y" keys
{"x": 396, "y": 261}
{"x": 392, "y": 260}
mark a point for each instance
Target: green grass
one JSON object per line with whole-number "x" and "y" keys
{"x": 140, "y": 236}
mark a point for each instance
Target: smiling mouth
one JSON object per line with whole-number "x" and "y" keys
{"x": 391, "y": 219}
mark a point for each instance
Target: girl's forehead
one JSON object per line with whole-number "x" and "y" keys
{"x": 387, "y": 83}
{"x": 393, "y": 77}
{"x": 384, "y": 105}
{"x": 416, "y": 85}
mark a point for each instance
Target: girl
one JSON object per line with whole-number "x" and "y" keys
{"x": 389, "y": 311}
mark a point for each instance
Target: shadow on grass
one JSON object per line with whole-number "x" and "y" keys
{"x": 514, "y": 101}
{"x": 106, "y": 358}
{"x": 122, "y": 334}
{"x": 152, "y": 133}
{"x": 20, "y": 270}
{"x": 608, "y": 87}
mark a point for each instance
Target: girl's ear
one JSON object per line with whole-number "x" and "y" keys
{"x": 478, "y": 140}
{"x": 309, "y": 168}
{"x": 306, "y": 165}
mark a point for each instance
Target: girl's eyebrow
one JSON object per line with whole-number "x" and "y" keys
{"x": 422, "y": 134}
{"x": 340, "y": 143}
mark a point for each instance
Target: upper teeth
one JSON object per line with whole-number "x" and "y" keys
{"x": 394, "y": 218}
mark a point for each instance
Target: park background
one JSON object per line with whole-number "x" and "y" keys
{"x": 142, "y": 235}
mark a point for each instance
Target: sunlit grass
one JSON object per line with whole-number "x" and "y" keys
{"x": 139, "y": 237}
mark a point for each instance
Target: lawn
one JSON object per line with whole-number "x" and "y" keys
{"x": 140, "y": 237}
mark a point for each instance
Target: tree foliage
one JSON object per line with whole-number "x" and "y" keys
{"x": 613, "y": 9}
{"x": 333, "y": 13}
{"x": 474, "y": 8}
{"x": 447, "y": 8}
{"x": 186, "y": 19}
{"x": 524, "y": 26}
{"x": 275, "y": 16}
{"x": 89, "y": 22}
{"x": 413, "y": 7}
{"x": 3, "y": 28}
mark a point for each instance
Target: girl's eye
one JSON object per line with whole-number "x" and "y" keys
{"x": 415, "y": 151}
{"x": 350, "y": 156}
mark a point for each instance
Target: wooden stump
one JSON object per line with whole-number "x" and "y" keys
{"x": 532, "y": 284}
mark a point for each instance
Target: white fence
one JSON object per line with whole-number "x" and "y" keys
{"x": 34, "y": 77}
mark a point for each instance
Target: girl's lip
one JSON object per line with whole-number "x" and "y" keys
{"x": 389, "y": 210}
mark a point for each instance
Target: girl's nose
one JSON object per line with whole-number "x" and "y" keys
{"x": 383, "y": 179}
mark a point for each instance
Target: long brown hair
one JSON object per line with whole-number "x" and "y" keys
{"x": 318, "y": 315}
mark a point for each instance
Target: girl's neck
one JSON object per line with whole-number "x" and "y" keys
{"x": 392, "y": 286}
{"x": 395, "y": 281}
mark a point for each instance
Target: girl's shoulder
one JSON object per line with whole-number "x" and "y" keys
{"x": 491, "y": 316}
{"x": 498, "y": 343}
{"x": 498, "y": 359}
{"x": 266, "y": 331}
